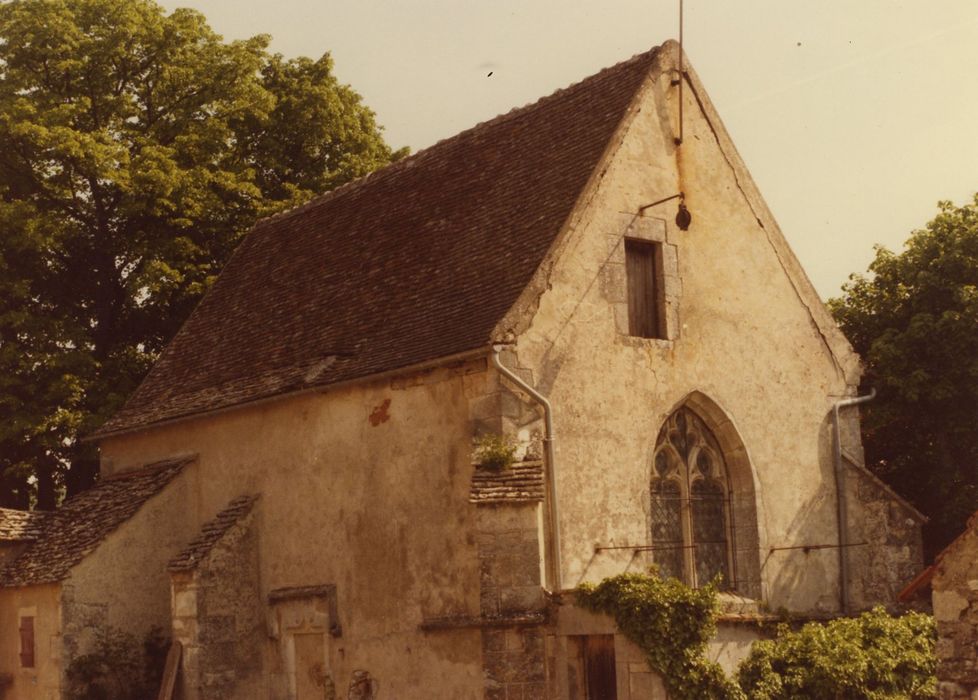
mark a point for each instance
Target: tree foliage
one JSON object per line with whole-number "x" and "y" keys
{"x": 872, "y": 657}
{"x": 914, "y": 320}
{"x": 136, "y": 147}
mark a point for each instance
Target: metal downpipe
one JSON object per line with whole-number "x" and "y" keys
{"x": 548, "y": 446}
{"x": 840, "y": 490}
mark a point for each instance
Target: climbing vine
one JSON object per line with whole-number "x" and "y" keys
{"x": 671, "y": 623}
{"x": 871, "y": 657}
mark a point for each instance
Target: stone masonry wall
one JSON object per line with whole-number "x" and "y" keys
{"x": 893, "y": 551}
{"x": 955, "y": 596}
{"x": 512, "y": 601}
{"x": 218, "y": 617}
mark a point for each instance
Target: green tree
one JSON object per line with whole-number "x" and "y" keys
{"x": 136, "y": 148}
{"x": 914, "y": 320}
{"x": 872, "y": 657}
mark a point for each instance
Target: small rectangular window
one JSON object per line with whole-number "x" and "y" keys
{"x": 646, "y": 309}
{"x": 27, "y": 642}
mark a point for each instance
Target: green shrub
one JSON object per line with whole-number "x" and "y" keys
{"x": 119, "y": 667}
{"x": 671, "y": 623}
{"x": 874, "y": 656}
{"x": 495, "y": 452}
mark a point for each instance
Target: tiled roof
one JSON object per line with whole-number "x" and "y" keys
{"x": 520, "y": 483}
{"x": 211, "y": 533}
{"x": 74, "y": 530}
{"x": 20, "y": 525}
{"x": 417, "y": 261}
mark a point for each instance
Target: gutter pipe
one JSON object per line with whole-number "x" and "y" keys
{"x": 548, "y": 443}
{"x": 840, "y": 490}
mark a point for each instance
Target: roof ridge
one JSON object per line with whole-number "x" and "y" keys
{"x": 415, "y": 158}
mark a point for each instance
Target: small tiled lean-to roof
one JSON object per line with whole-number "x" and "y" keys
{"x": 417, "y": 261}
{"x": 20, "y": 525}
{"x": 211, "y": 533}
{"x": 68, "y": 534}
{"x": 522, "y": 482}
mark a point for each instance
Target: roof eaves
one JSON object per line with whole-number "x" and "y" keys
{"x": 480, "y": 351}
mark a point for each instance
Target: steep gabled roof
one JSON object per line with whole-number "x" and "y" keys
{"x": 415, "y": 262}
{"x": 20, "y": 525}
{"x": 74, "y": 530}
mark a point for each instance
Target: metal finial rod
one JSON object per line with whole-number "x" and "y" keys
{"x": 679, "y": 140}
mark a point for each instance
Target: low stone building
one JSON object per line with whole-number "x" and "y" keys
{"x": 954, "y": 584}
{"x": 91, "y": 567}
{"x": 584, "y": 277}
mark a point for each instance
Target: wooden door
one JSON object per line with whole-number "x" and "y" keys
{"x": 594, "y": 677}
{"x": 310, "y": 666}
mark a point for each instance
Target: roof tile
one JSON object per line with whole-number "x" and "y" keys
{"x": 414, "y": 262}
{"x": 20, "y": 525}
{"x": 520, "y": 483}
{"x": 74, "y": 530}
{"x": 211, "y": 534}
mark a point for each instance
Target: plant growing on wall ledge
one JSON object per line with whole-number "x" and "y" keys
{"x": 495, "y": 452}
{"x": 871, "y": 657}
{"x": 671, "y": 623}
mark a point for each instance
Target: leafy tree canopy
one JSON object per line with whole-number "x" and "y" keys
{"x": 136, "y": 148}
{"x": 871, "y": 657}
{"x": 914, "y": 320}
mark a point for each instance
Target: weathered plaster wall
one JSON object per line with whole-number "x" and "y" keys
{"x": 742, "y": 336}
{"x": 43, "y": 682}
{"x": 366, "y": 488}
{"x": 955, "y": 597}
{"x": 123, "y": 585}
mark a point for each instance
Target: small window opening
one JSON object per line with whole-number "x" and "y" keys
{"x": 27, "y": 642}
{"x": 646, "y": 308}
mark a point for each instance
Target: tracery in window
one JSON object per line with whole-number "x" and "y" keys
{"x": 690, "y": 502}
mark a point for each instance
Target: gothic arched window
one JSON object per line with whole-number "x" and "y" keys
{"x": 690, "y": 503}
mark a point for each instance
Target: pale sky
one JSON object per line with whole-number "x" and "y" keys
{"x": 854, "y": 116}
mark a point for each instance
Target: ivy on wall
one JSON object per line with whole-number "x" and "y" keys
{"x": 671, "y": 623}
{"x": 871, "y": 657}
